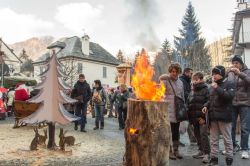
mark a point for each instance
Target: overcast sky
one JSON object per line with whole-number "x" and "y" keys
{"x": 115, "y": 24}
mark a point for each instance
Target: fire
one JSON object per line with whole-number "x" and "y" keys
{"x": 145, "y": 88}
{"x": 132, "y": 131}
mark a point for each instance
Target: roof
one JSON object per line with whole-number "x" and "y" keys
{"x": 10, "y": 55}
{"x": 57, "y": 44}
{"x": 237, "y": 22}
{"x": 73, "y": 48}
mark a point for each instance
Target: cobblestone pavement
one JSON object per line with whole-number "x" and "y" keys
{"x": 94, "y": 148}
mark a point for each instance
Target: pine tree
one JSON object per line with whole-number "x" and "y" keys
{"x": 51, "y": 99}
{"x": 120, "y": 56}
{"x": 190, "y": 44}
{"x": 167, "y": 50}
{"x": 27, "y": 66}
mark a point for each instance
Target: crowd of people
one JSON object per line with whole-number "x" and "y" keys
{"x": 112, "y": 102}
{"x": 213, "y": 109}
{"x": 20, "y": 92}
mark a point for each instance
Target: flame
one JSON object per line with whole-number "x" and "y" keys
{"x": 144, "y": 87}
{"x": 132, "y": 131}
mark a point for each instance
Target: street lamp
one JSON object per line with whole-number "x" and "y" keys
{"x": 2, "y": 63}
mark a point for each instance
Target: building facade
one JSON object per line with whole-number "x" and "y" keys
{"x": 241, "y": 32}
{"x": 79, "y": 55}
{"x": 10, "y": 59}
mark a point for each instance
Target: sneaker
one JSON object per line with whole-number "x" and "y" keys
{"x": 245, "y": 155}
{"x": 198, "y": 155}
{"x": 223, "y": 152}
{"x": 205, "y": 159}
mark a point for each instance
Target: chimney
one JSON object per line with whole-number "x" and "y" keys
{"x": 85, "y": 45}
{"x": 242, "y": 4}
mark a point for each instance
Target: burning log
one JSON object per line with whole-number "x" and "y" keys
{"x": 147, "y": 130}
{"x": 147, "y": 133}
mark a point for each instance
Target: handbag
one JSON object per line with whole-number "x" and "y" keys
{"x": 180, "y": 107}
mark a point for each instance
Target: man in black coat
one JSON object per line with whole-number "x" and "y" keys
{"x": 186, "y": 80}
{"x": 219, "y": 107}
{"x": 82, "y": 93}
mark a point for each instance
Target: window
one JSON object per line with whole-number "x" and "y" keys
{"x": 104, "y": 72}
{"x": 41, "y": 69}
{"x": 79, "y": 68}
{"x": 11, "y": 67}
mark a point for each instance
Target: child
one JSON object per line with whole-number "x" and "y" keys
{"x": 219, "y": 108}
{"x": 196, "y": 100}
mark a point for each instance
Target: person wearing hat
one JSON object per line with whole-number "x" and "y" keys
{"x": 240, "y": 74}
{"x": 21, "y": 92}
{"x": 219, "y": 108}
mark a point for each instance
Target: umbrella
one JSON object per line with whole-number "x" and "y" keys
{"x": 3, "y": 90}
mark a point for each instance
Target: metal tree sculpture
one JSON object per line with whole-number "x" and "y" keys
{"x": 51, "y": 98}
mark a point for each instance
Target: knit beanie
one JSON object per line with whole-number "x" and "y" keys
{"x": 219, "y": 70}
{"x": 238, "y": 59}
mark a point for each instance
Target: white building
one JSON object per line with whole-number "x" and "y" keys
{"x": 79, "y": 55}
{"x": 241, "y": 31}
{"x": 12, "y": 62}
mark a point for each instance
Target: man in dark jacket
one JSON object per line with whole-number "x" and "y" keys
{"x": 240, "y": 74}
{"x": 122, "y": 98}
{"x": 186, "y": 80}
{"x": 82, "y": 93}
{"x": 219, "y": 107}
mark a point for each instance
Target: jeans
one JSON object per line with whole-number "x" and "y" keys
{"x": 122, "y": 116}
{"x": 244, "y": 113}
{"x": 81, "y": 111}
{"x": 201, "y": 134}
{"x": 99, "y": 117}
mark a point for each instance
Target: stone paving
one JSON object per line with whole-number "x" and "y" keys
{"x": 94, "y": 148}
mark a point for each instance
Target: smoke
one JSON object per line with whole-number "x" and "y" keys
{"x": 142, "y": 19}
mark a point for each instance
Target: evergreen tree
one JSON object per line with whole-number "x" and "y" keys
{"x": 190, "y": 44}
{"x": 27, "y": 66}
{"x": 167, "y": 50}
{"x": 120, "y": 56}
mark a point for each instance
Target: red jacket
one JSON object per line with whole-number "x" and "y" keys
{"x": 21, "y": 94}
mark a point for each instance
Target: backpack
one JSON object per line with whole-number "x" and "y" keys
{"x": 97, "y": 98}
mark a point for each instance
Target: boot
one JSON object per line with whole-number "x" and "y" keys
{"x": 176, "y": 150}
{"x": 76, "y": 125}
{"x": 96, "y": 126}
{"x": 229, "y": 161}
{"x": 102, "y": 125}
{"x": 213, "y": 162}
{"x": 171, "y": 154}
